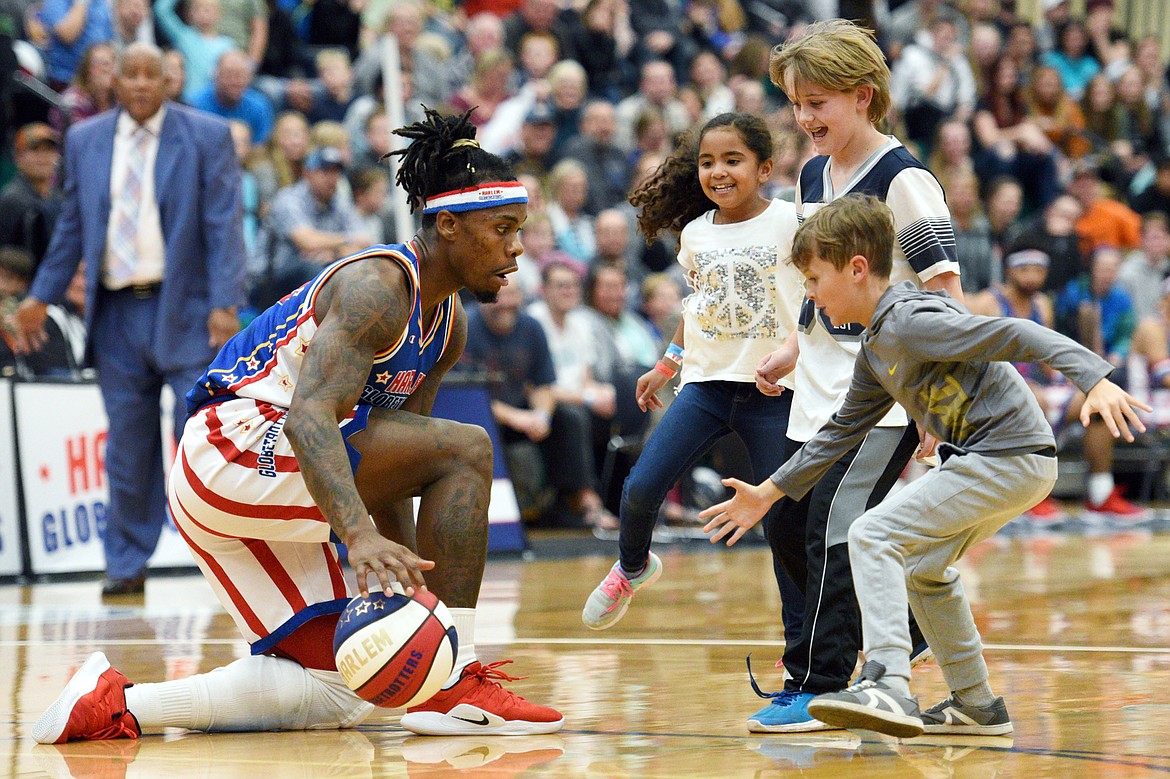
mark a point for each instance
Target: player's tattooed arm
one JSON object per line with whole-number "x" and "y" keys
{"x": 365, "y": 306}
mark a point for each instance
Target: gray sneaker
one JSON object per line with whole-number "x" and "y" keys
{"x": 952, "y": 717}
{"x": 608, "y": 603}
{"x": 870, "y": 704}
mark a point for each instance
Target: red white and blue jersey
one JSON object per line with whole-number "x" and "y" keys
{"x": 263, "y": 361}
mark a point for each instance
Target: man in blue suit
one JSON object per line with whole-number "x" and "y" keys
{"x": 152, "y": 207}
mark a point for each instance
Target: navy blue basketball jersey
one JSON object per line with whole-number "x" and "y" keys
{"x": 925, "y": 238}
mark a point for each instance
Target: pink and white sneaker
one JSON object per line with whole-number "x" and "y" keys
{"x": 608, "y": 603}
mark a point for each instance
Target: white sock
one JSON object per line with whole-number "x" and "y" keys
{"x": 1100, "y": 486}
{"x": 251, "y": 694}
{"x": 163, "y": 705}
{"x": 464, "y": 620}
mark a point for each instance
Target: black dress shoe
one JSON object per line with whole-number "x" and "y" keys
{"x": 133, "y": 586}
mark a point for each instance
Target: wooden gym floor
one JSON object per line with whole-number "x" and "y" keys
{"x": 1077, "y": 628}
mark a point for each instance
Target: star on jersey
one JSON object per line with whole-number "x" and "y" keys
{"x": 285, "y": 384}
{"x": 244, "y": 425}
{"x": 302, "y": 345}
{"x": 252, "y": 363}
{"x": 383, "y": 377}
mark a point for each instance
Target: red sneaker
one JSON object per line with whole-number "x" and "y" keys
{"x": 477, "y": 705}
{"x": 91, "y": 707}
{"x": 432, "y": 756}
{"x": 88, "y": 759}
{"x": 1047, "y": 512}
{"x": 1119, "y": 508}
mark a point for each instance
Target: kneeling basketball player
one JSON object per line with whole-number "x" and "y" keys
{"x": 309, "y": 422}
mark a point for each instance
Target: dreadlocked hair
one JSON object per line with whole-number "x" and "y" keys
{"x": 672, "y": 196}
{"x": 435, "y": 162}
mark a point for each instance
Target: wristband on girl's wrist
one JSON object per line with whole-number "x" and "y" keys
{"x": 664, "y": 368}
{"x": 674, "y": 353}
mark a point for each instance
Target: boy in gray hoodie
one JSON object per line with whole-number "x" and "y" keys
{"x": 951, "y": 371}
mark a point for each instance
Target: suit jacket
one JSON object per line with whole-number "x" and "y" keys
{"x": 197, "y": 184}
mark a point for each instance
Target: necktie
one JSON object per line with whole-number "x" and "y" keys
{"x": 124, "y": 249}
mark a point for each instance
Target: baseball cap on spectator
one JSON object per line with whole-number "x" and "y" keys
{"x": 325, "y": 157}
{"x": 35, "y": 135}
{"x": 540, "y": 114}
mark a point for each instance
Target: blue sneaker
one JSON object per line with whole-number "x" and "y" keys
{"x": 787, "y": 713}
{"x": 921, "y": 655}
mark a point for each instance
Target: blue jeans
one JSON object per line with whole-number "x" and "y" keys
{"x": 703, "y": 413}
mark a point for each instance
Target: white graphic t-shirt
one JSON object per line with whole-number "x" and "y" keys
{"x": 745, "y": 296}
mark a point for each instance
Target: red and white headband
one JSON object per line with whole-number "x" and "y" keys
{"x": 487, "y": 195}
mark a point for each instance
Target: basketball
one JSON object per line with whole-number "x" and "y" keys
{"x": 393, "y": 650}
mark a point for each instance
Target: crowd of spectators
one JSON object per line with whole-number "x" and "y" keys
{"x": 1049, "y": 133}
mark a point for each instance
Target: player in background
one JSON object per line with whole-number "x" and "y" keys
{"x": 839, "y": 84}
{"x": 951, "y": 371}
{"x": 308, "y": 423}
{"x": 745, "y": 298}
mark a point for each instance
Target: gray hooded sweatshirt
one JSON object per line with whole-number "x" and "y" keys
{"x": 952, "y": 372}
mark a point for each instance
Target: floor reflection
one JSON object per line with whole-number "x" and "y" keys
{"x": 1077, "y": 632}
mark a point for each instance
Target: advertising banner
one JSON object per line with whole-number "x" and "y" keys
{"x": 10, "y": 564}
{"x": 61, "y": 431}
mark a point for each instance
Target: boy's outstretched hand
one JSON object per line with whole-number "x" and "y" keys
{"x": 1116, "y": 407}
{"x": 741, "y": 513}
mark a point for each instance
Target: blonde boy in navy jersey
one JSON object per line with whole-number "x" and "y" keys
{"x": 839, "y": 84}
